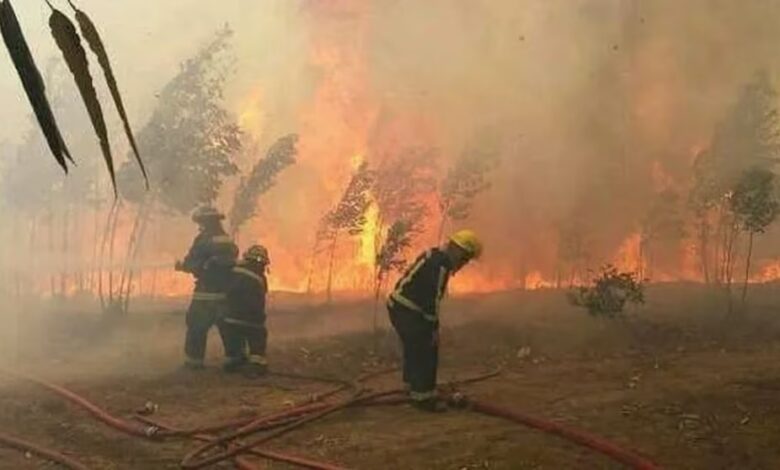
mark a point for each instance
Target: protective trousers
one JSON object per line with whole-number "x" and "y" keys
{"x": 201, "y": 316}
{"x": 420, "y": 351}
{"x": 242, "y": 337}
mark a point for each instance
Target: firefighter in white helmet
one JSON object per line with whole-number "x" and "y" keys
{"x": 414, "y": 312}
{"x": 210, "y": 260}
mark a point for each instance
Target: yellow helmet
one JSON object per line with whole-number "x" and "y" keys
{"x": 469, "y": 241}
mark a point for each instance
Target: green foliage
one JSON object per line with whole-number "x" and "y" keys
{"x": 262, "y": 178}
{"x": 403, "y": 184}
{"x": 467, "y": 179}
{"x": 748, "y": 137}
{"x": 609, "y": 293}
{"x": 191, "y": 140}
{"x": 349, "y": 215}
{"x": 754, "y": 200}
{"x": 390, "y": 256}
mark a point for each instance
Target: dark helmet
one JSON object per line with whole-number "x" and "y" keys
{"x": 204, "y": 213}
{"x": 257, "y": 253}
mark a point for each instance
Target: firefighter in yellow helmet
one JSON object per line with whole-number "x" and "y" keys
{"x": 210, "y": 261}
{"x": 414, "y": 312}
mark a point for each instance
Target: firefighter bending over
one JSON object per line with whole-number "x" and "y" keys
{"x": 414, "y": 313}
{"x": 210, "y": 260}
{"x": 244, "y": 326}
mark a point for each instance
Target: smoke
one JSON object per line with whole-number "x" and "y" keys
{"x": 595, "y": 105}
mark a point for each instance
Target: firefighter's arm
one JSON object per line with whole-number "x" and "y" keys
{"x": 431, "y": 276}
{"x": 193, "y": 260}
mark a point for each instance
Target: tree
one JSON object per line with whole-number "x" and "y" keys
{"x": 262, "y": 178}
{"x": 391, "y": 257}
{"x": 467, "y": 178}
{"x": 663, "y": 224}
{"x": 756, "y": 205}
{"x": 573, "y": 249}
{"x": 349, "y": 215}
{"x": 405, "y": 183}
{"x": 190, "y": 143}
{"x": 748, "y": 137}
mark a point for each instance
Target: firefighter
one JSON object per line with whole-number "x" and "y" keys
{"x": 244, "y": 326}
{"x": 210, "y": 260}
{"x": 414, "y": 313}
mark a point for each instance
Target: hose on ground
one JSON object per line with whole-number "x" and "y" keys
{"x": 279, "y": 457}
{"x": 127, "y": 427}
{"x": 40, "y": 451}
{"x": 196, "y": 458}
{"x": 149, "y": 431}
{"x": 583, "y": 438}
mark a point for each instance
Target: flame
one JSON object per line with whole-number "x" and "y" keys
{"x": 369, "y": 236}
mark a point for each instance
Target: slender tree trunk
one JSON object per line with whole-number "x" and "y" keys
{"x": 146, "y": 213}
{"x": 747, "y": 267}
{"x": 111, "y": 244}
{"x": 310, "y": 274}
{"x": 442, "y": 224}
{"x": 102, "y": 256}
{"x": 64, "y": 274}
{"x": 53, "y": 274}
{"x": 704, "y": 248}
{"x": 329, "y": 289}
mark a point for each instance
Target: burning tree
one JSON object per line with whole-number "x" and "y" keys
{"x": 261, "y": 179}
{"x": 465, "y": 181}
{"x": 609, "y": 293}
{"x": 748, "y": 137}
{"x": 191, "y": 142}
{"x": 403, "y": 189}
{"x": 573, "y": 250}
{"x": 662, "y": 225}
{"x": 349, "y": 216}
{"x": 755, "y": 204}
{"x": 391, "y": 257}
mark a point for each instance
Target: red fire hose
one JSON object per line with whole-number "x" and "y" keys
{"x": 50, "y": 455}
{"x": 301, "y": 415}
{"x": 132, "y": 429}
{"x": 596, "y": 443}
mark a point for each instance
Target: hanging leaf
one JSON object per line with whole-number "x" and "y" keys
{"x": 69, "y": 42}
{"x": 32, "y": 82}
{"x": 91, "y": 35}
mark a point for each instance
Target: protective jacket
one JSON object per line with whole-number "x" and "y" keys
{"x": 423, "y": 285}
{"x": 210, "y": 260}
{"x": 246, "y": 294}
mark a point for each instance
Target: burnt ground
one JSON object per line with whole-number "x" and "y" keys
{"x": 677, "y": 382}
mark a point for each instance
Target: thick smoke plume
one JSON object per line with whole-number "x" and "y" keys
{"x": 593, "y": 109}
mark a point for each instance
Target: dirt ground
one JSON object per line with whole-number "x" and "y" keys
{"x": 678, "y": 383}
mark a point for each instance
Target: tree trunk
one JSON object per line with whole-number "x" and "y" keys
{"x": 312, "y": 258}
{"x": 442, "y": 224}
{"x": 136, "y": 249}
{"x": 53, "y": 274}
{"x": 747, "y": 267}
{"x": 704, "y": 248}
{"x": 329, "y": 288}
{"x": 133, "y": 248}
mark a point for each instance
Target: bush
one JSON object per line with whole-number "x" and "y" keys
{"x": 608, "y": 295}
